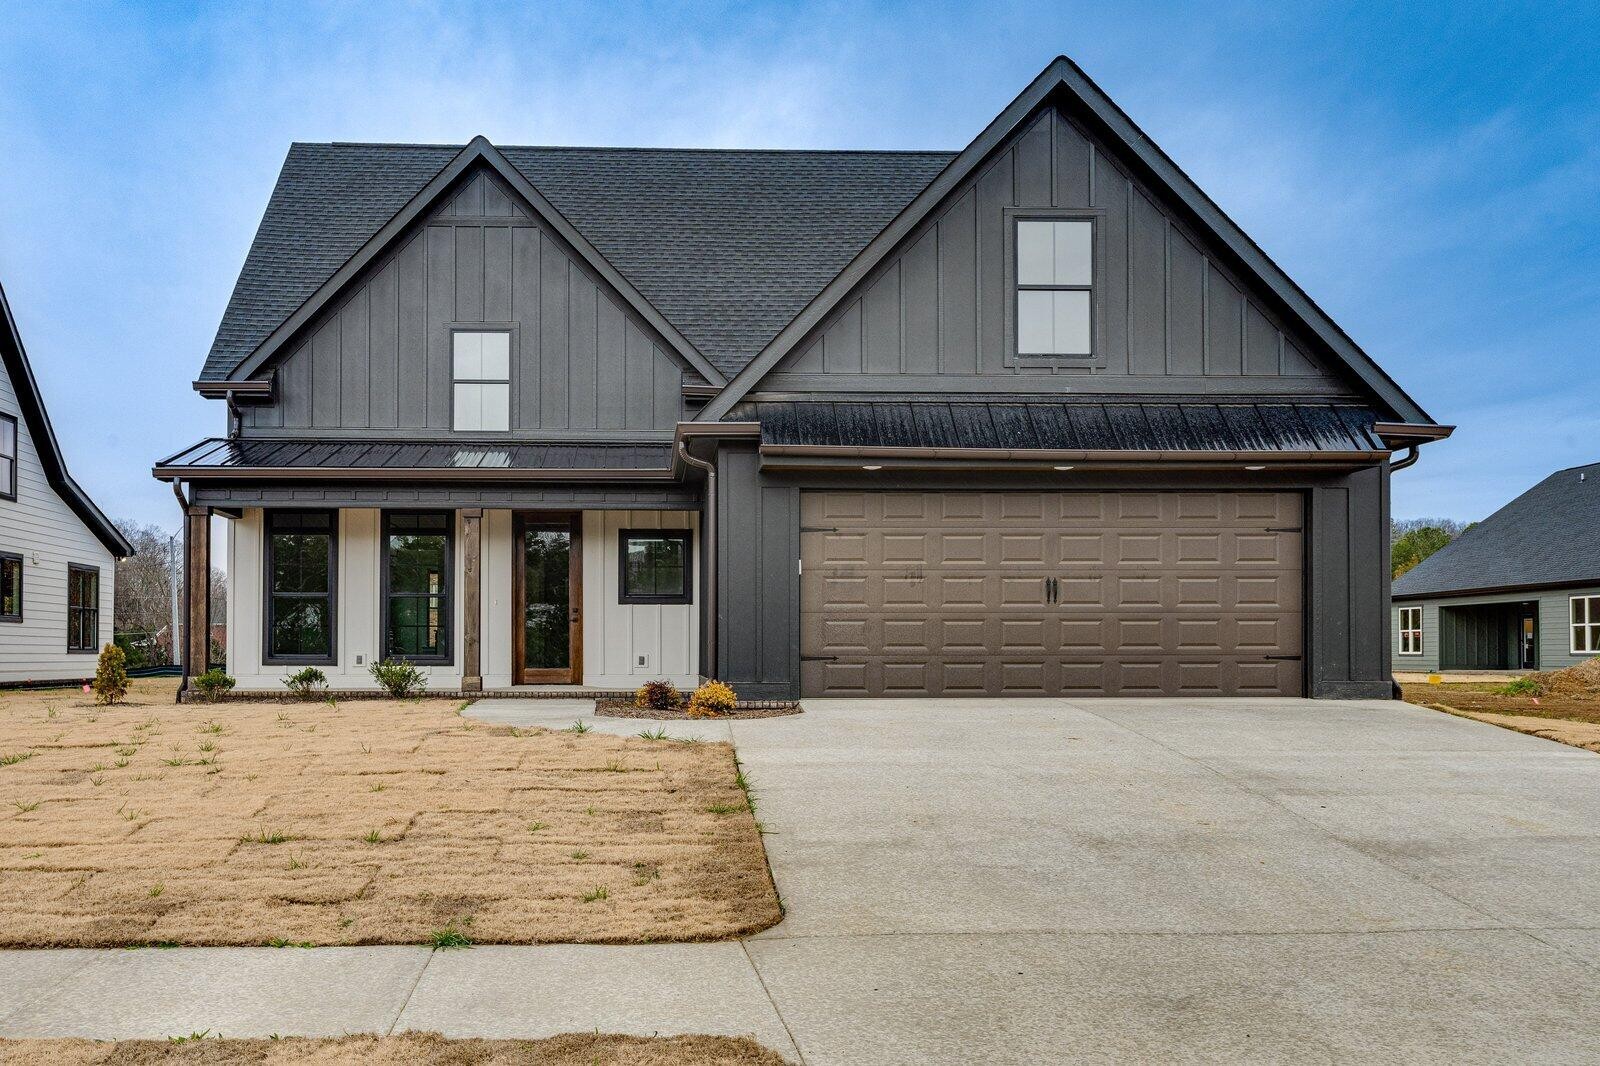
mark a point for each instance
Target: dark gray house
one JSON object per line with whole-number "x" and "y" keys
{"x": 1518, "y": 591}
{"x": 1034, "y": 417}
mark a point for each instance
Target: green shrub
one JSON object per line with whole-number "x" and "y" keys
{"x": 658, "y": 696}
{"x": 399, "y": 678}
{"x": 1523, "y": 686}
{"x": 111, "y": 675}
{"x": 214, "y": 684}
{"x": 307, "y": 683}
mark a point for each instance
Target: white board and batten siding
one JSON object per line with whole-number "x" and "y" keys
{"x": 39, "y": 526}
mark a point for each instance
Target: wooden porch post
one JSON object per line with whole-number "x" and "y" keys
{"x": 472, "y": 599}
{"x": 197, "y": 589}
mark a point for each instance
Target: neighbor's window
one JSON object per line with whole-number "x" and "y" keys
{"x": 10, "y": 588}
{"x": 8, "y": 457}
{"x": 657, "y": 566}
{"x": 416, "y": 568}
{"x": 1585, "y": 625}
{"x": 301, "y": 554}
{"x": 1055, "y": 272}
{"x": 481, "y": 363}
{"x": 1411, "y": 631}
{"x": 83, "y": 608}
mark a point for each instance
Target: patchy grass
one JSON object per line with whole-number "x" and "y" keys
{"x": 388, "y": 823}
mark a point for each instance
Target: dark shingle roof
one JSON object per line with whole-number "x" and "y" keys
{"x": 1550, "y": 535}
{"x": 728, "y": 245}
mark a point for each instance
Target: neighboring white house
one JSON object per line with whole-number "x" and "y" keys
{"x": 58, "y": 552}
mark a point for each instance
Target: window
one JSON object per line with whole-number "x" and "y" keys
{"x": 10, "y": 587}
{"x": 656, "y": 566}
{"x": 8, "y": 457}
{"x": 83, "y": 608}
{"x": 416, "y": 583}
{"x": 481, "y": 365}
{"x": 1055, "y": 272}
{"x": 1585, "y": 625}
{"x": 1411, "y": 631}
{"x": 301, "y": 554}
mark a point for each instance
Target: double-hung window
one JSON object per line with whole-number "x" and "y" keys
{"x": 302, "y": 552}
{"x": 10, "y": 587}
{"x": 416, "y": 572}
{"x": 83, "y": 608}
{"x": 9, "y": 448}
{"x": 656, "y": 566}
{"x": 481, "y": 381}
{"x": 1585, "y": 625}
{"x": 1411, "y": 631}
{"x": 1055, "y": 280}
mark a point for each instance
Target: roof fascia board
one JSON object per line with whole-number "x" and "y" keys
{"x": 1062, "y": 73}
{"x": 1498, "y": 591}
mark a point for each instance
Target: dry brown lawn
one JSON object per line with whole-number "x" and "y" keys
{"x": 368, "y": 822}
{"x": 576, "y": 1049}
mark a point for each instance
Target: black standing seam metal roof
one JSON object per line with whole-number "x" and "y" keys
{"x": 727, "y": 244}
{"x": 1548, "y": 536}
{"x": 220, "y": 453}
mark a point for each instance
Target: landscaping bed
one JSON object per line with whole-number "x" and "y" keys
{"x": 372, "y": 822}
{"x": 626, "y": 708}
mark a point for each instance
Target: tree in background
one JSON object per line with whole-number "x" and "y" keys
{"x": 1414, "y": 539}
{"x": 143, "y": 609}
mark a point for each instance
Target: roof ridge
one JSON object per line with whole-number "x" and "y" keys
{"x": 642, "y": 148}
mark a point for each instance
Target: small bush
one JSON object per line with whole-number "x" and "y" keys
{"x": 398, "y": 678}
{"x": 658, "y": 696}
{"x": 307, "y": 683}
{"x": 711, "y": 699}
{"x": 1523, "y": 686}
{"x": 214, "y": 684}
{"x": 111, "y": 675}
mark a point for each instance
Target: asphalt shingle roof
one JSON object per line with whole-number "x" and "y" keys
{"x": 728, "y": 244}
{"x": 1550, "y": 535}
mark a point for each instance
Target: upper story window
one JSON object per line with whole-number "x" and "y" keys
{"x": 1585, "y": 625}
{"x": 481, "y": 372}
{"x": 83, "y": 608}
{"x": 1411, "y": 631}
{"x": 8, "y": 457}
{"x": 1055, "y": 278}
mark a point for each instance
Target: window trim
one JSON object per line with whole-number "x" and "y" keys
{"x": 1405, "y": 631}
{"x": 1590, "y": 622}
{"x": 22, "y": 567}
{"x": 686, "y": 536}
{"x": 513, "y": 343}
{"x": 267, "y": 658}
{"x": 10, "y": 492}
{"x": 1096, "y": 217}
{"x": 447, "y": 591}
{"x": 83, "y": 568}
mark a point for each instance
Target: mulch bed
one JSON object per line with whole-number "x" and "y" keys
{"x": 626, "y": 709}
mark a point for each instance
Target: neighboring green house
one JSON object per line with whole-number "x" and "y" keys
{"x": 1518, "y": 591}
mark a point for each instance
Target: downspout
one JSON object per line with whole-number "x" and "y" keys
{"x": 708, "y": 540}
{"x": 1412, "y": 455}
{"x": 183, "y": 524}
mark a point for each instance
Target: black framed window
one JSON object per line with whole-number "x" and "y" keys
{"x": 10, "y": 447}
{"x": 301, "y": 585}
{"x": 83, "y": 608}
{"x": 656, "y": 566}
{"x": 10, "y": 587}
{"x": 416, "y": 586}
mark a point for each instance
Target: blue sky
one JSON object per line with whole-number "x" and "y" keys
{"x": 1430, "y": 176}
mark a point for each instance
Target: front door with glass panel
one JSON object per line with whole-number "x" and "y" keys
{"x": 548, "y": 637}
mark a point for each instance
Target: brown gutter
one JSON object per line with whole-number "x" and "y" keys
{"x": 1407, "y": 432}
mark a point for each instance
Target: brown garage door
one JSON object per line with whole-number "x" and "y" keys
{"x": 1051, "y": 593}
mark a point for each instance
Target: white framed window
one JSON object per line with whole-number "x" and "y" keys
{"x": 1411, "y": 631}
{"x": 480, "y": 363}
{"x": 1055, "y": 286}
{"x": 1585, "y": 625}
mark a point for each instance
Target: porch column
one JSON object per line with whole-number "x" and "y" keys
{"x": 471, "y": 599}
{"x": 197, "y": 589}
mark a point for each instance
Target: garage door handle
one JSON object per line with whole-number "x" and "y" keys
{"x": 1283, "y": 658}
{"x": 819, "y": 658}
{"x": 1052, "y": 590}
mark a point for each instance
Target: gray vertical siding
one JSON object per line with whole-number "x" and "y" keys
{"x": 582, "y": 362}
{"x": 1166, "y": 308}
{"x": 1449, "y": 636}
{"x": 758, "y": 602}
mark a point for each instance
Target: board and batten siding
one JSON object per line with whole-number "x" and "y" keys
{"x": 39, "y": 526}
{"x": 1554, "y": 636}
{"x": 1170, "y": 317}
{"x": 582, "y": 363}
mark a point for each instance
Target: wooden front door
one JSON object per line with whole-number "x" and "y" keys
{"x": 547, "y": 627}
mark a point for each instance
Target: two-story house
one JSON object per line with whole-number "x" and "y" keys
{"x": 58, "y": 552}
{"x": 1030, "y": 418}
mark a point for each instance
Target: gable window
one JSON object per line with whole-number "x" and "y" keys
{"x": 481, "y": 369}
{"x": 83, "y": 608}
{"x": 656, "y": 566}
{"x": 301, "y": 556}
{"x": 416, "y": 586}
{"x": 10, "y": 587}
{"x": 8, "y": 456}
{"x": 1585, "y": 625}
{"x": 1411, "y": 631}
{"x": 1055, "y": 278}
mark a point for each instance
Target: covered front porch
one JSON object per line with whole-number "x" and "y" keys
{"x": 1489, "y": 637}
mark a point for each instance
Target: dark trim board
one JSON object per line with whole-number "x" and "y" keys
{"x": 1499, "y": 590}
{"x": 659, "y": 497}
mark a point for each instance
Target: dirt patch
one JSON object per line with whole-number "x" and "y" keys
{"x": 1581, "y": 682}
{"x": 627, "y": 709}
{"x": 1579, "y": 734}
{"x": 383, "y": 822}
{"x": 574, "y": 1049}
{"x": 1486, "y": 698}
